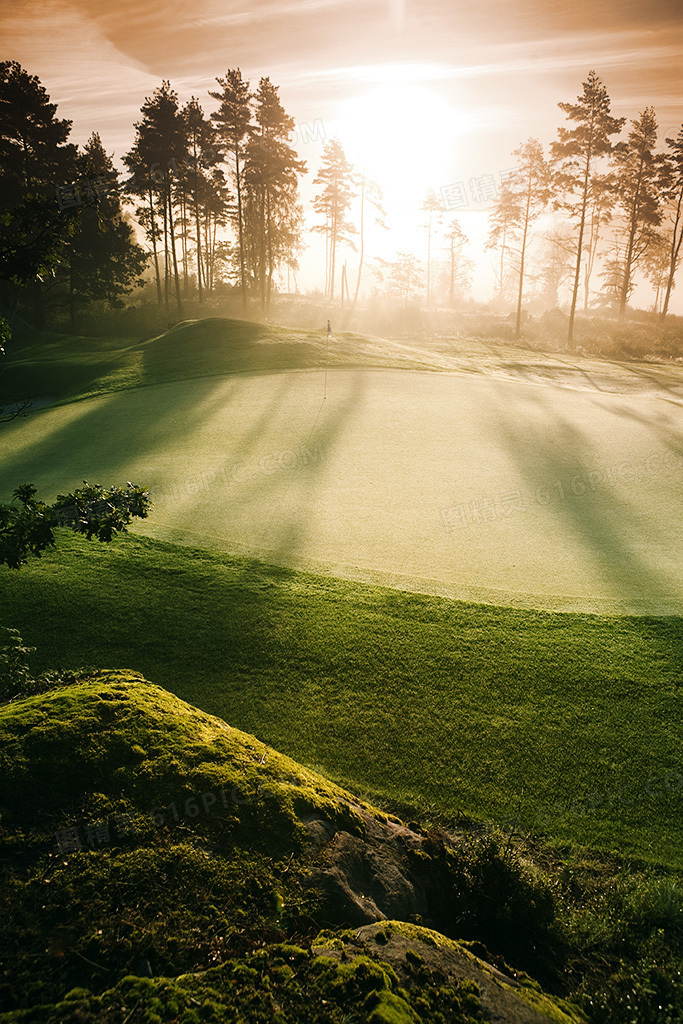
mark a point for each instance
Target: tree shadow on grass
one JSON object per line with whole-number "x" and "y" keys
{"x": 101, "y": 438}
{"x": 612, "y": 530}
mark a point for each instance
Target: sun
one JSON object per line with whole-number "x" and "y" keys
{"x": 404, "y": 135}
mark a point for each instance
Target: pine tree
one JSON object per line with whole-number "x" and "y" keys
{"x": 405, "y": 275}
{"x": 671, "y": 188}
{"x": 575, "y": 155}
{"x": 233, "y": 123}
{"x": 333, "y": 202}
{"x": 103, "y": 259}
{"x": 503, "y": 219}
{"x": 528, "y": 187}
{"x": 655, "y": 266}
{"x": 601, "y": 202}
{"x": 159, "y": 149}
{"x": 36, "y": 161}
{"x": 272, "y": 212}
{"x": 202, "y": 155}
{"x": 143, "y": 184}
{"x": 555, "y": 264}
{"x": 637, "y": 195}
{"x": 460, "y": 266}
{"x": 433, "y": 207}
{"x": 370, "y": 192}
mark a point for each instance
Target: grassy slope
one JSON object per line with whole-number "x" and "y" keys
{"x": 221, "y": 890}
{"x": 454, "y": 707}
{"x": 68, "y": 367}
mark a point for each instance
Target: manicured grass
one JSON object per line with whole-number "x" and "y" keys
{"x": 495, "y": 713}
{"x": 67, "y": 367}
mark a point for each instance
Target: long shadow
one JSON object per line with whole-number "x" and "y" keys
{"x": 561, "y": 446}
{"x": 659, "y": 380}
{"x": 102, "y": 436}
{"x": 609, "y": 530}
{"x": 659, "y": 425}
{"x": 606, "y": 525}
{"x": 256, "y": 576}
{"x": 327, "y": 420}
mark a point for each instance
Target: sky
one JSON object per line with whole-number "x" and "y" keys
{"x": 429, "y": 94}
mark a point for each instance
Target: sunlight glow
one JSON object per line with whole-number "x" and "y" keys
{"x": 403, "y": 134}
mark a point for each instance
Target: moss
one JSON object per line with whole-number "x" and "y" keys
{"x": 185, "y": 894}
{"x": 391, "y": 1009}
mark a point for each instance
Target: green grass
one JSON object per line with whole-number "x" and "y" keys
{"x": 123, "y": 854}
{"x": 493, "y": 713}
{"x": 67, "y": 367}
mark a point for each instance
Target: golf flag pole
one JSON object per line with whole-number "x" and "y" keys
{"x": 328, "y": 332}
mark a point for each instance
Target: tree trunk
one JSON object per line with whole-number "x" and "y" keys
{"x": 152, "y": 223}
{"x": 628, "y": 260}
{"x": 579, "y": 251}
{"x": 333, "y": 254}
{"x": 72, "y": 304}
{"x": 166, "y": 267}
{"x": 173, "y": 253}
{"x": 198, "y": 233}
{"x": 362, "y": 248}
{"x": 522, "y": 255}
{"x": 243, "y": 284}
{"x": 675, "y": 254}
{"x": 429, "y": 257}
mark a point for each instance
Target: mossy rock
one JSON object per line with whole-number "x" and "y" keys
{"x": 158, "y": 862}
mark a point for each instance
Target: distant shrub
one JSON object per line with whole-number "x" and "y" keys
{"x": 15, "y": 675}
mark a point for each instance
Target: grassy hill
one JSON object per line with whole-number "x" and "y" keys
{"x": 67, "y": 367}
{"x": 158, "y": 863}
{"x": 566, "y": 725}
{"x": 534, "y": 756}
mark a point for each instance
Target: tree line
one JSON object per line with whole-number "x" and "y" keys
{"x": 216, "y": 197}
{"x": 66, "y": 237}
{"x": 622, "y": 203}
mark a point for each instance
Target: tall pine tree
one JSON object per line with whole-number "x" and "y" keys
{"x": 575, "y": 155}
{"x": 433, "y": 207}
{"x": 671, "y": 188}
{"x": 529, "y": 189}
{"x": 103, "y": 260}
{"x": 272, "y": 211}
{"x": 333, "y": 202}
{"x": 36, "y": 162}
{"x": 637, "y": 196}
{"x": 233, "y": 124}
{"x": 159, "y": 148}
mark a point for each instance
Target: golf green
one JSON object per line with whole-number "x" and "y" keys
{"x": 479, "y": 488}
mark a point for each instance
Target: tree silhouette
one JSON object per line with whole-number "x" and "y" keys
{"x": 503, "y": 219}
{"x": 671, "y": 185}
{"x": 530, "y": 186}
{"x": 271, "y": 190}
{"x": 574, "y": 155}
{"x": 233, "y": 123}
{"x": 103, "y": 260}
{"x": 35, "y": 161}
{"x": 202, "y": 156}
{"x": 601, "y": 202}
{"x": 460, "y": 266}
{"x": 160, "y": 147}
{"x": 404, "y": 275}
{"x": 433, "y": 207}
{"x": 637, "y": 195}
{"x": 370, "y": 192}
{"x": 336, "y": 178}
